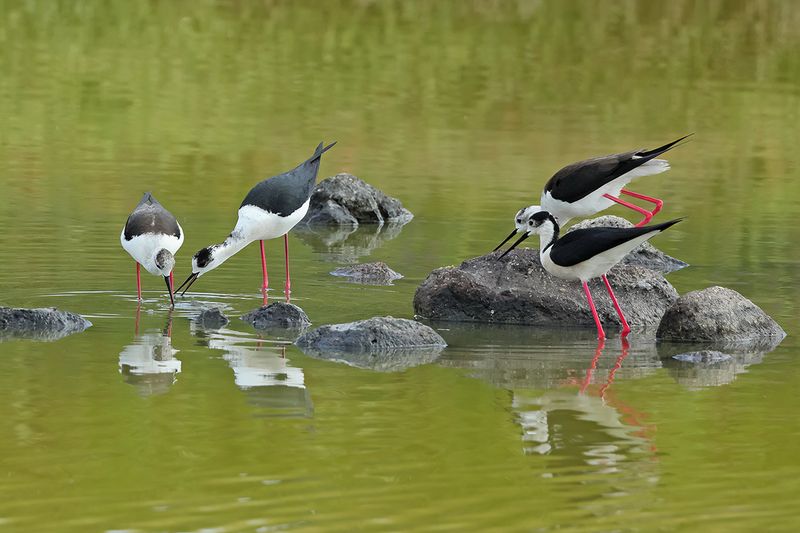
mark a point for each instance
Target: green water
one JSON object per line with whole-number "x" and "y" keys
{"x": 462, "y": 110}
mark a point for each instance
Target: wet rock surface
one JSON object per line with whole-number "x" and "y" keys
{"x": 646, "y": 255}
{"x": 722, "y": 316}
{"x": 212, "y": 318}
{"x": 40, "y": 323}
{"x": 371, "y": 336}
{"x": 517, "y": 290}
{"x": 377, "y": 273}
{"x": 277, "y": 315}
{"x": 344, "y": 199}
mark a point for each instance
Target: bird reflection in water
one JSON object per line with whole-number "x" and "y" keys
{"x": 149, "y": 362}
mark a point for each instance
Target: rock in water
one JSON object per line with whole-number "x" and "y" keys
{"x": 377, "y": 273}
{"x": 646, "y": 255}
{"x": 42, "y": 323}
{"x": 718, "y": 315}
{"x": 374, "y": 335}
{"x": 518, "y": 290}
{"x": 345, "y": 199}
{"x": 211, "y": 319}
{"x": 277, "y": 315}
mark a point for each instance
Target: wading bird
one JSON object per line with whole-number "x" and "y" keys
{"x": 588, "y": 253}
{"x": 588, "y": 187}
{"x": 152, "y": 236}
{"x": 270, "y": 210}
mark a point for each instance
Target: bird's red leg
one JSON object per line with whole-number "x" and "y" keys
{"x": 655, "y": 201}
{"x": 647, "y": 214}
{"x": 265, "y": 277}
{"x": 601, "y": 342}
{"x": 625, "y": 327}
{"x": 138, "y": 282}
{"x": 600, "y": 333}
{"x": 288, "y": 288}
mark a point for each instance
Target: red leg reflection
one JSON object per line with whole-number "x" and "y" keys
{"x": 593, "y": 365}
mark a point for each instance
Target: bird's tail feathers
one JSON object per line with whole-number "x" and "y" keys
{"x": 649, "y": 154}
{"x": 321, "y": 149}
{"x": 664, "y": 225}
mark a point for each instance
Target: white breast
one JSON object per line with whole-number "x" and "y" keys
{"x": 143, "y": 248}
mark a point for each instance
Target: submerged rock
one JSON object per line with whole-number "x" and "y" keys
{"x": 212, "y": 318}
{"x": 719, "y": 315}
{"x": 40, "y": 323}
{"x": 517, "y": 290}
{"x": 646, "y": 255}
{"x": 344, "y": 199}
{"x": 277, "y": 315}
{"x": 377, "y": 273}
{"x": 374, "y": 335}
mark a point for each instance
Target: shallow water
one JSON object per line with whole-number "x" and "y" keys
{"x": 462, "y": 110}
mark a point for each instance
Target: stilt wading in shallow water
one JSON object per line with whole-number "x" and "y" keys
{"x": 152, "y": 236}
{"x": 271, "y": 208}
{"x": 585, "y": 254}
{"x": 588, "y": 187}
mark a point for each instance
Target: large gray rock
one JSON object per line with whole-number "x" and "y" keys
{"x": 344, "y": 199}
{"x": 719, "y": 315}
{"x": 277, "y": 315}
{"x": 517, "y": 290}
{"x": 41, "y": 323}
{"x": 646, "y": 255}
{"x": 377, "y": 273}
{"x": 371, "y": 336}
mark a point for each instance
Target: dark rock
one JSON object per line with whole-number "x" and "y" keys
{"x": 41, "y": 323}
{"x": 211, "y": 319}
{"x": 346, "y": 244}
{"x": 374, "y": 335}
{"x": 646, "y": 255}
{"x": 703, "y": 357}
{"x": 277, "y": 315}
{"x": 377, "y": 273}
{"x": 345, "y": 199}
{"x": 719, "y": 315}
{"x": 517, "y": 290}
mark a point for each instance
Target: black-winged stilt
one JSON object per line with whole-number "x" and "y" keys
{"x": 271, "y": 208}
{"x": 152, "y": 236}
{"x": 588, "y": 187}
{"x": 587, "y": 253}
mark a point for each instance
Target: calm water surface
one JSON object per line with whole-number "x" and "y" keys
{"x": 462, "y": 110}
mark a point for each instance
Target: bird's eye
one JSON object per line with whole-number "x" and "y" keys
{"x": 531, "y": 221}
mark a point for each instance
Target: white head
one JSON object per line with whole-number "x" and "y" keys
{"x": 165, "y": 262}
{"x": 536, "y": 222}
{"x": 520, "y": 222}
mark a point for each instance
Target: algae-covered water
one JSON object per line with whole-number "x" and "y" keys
{"x": 462, "y": 110}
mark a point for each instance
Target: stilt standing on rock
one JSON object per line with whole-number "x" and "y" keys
{"x": 588, "y": 187}
{"x": 152, "y": 236}
{"x": 271, "y": 208}
{"x": 584, "y": 254}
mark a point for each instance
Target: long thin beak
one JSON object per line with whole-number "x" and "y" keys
{"x": 506, "y": 239}
{"x": 525, "y": 236}
{"x": 191, "y": 279}
{"x": 169, "y": 290}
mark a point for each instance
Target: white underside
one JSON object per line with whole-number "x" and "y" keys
{"x": 595, "y": 266}
{"x": 143, "y": 248}
{"x": 596, "y": 202}
{"x": 255, "y": 224}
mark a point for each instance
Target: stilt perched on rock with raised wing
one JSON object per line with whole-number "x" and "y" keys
{"x": 588, "y": 187}
{"x": 271, "y": 208}
{"x": 585, "y": 254}
{"x": 152, "y": 236}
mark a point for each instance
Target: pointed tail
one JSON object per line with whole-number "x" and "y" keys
{"x": 319, "y": 151}
{"x": 649, "y": 154}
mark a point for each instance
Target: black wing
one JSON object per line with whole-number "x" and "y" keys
{"x": 577, "y": 180}
{"x": 151, "y": 217}
{"x": 285, "y": 193}
{"x": 582, "y": 244}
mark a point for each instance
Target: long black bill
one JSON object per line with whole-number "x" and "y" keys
{"x": 506, "y": 239}
{"x": 169, "y": 290}
{"x": 191, "y": 279}
{"x": 525, "y": 236}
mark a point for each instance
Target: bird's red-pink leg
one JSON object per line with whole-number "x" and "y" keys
{"x": 647, "y": 214}
{"x": 600, "y": 333}
{"x": 265, "y": 277}
{"x": 655, "y": 201}
{"x": 625, "y": 327}
{"x": 288, "y": 287}
{"x": 138, "y": 282}
{"x": 172, "y": 282}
